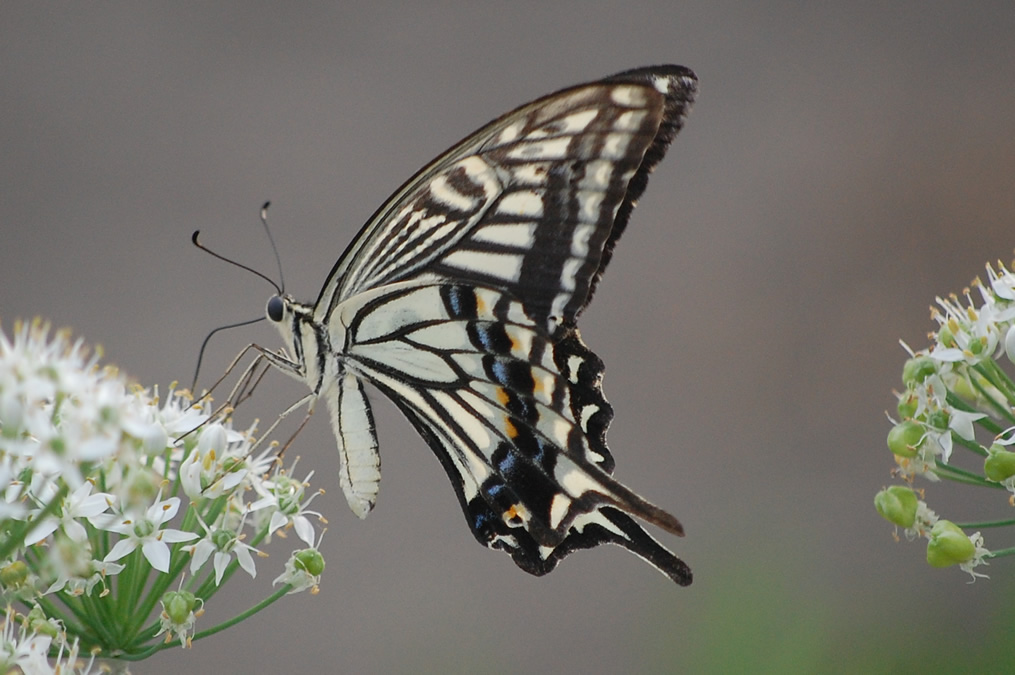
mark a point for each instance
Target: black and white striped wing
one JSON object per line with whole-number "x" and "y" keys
{"x": 532, "y": 203}
{"x": 459, "y": 297}
{"x": 517, "y": 418}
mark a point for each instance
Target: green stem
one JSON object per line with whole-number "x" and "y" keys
{"x": 986, "y": 523}
{"x": 1002, "y": 553}
{"x": 271, "y": 599}
{"x": 958, "y": 475}
{"x": 999, "y": 379}
{"x": 969, "y": 445}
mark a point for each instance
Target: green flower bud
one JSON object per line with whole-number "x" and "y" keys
{"x": 917, "y": 369}
{"x": 1000, "y": 463}
{"x": 310, "y": 561}
{"x": 948, "y": 545}
{"x": 897, "y": 504}
{"x": 223, "y": 539}
{"x": 14, "y": 575}
{"x": 945, "y": 337}
{"x": 178, "y": 605}
{"x": 907, "y": 406}
{"x": 905, "y": 439}
{"x": 38, "y": 622}
{"x": 938, "y": 419}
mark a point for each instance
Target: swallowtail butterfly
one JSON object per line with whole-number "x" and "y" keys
{"x": 459, "y": 299}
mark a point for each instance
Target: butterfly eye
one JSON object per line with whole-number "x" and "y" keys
{"x": 275, "y": 308}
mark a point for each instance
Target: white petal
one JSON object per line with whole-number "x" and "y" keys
{"x": 245, "y": 560}
{"x": 948, "y": 355}
{"x": 164, "y": 511}
{"x": 173, "y": 536}
{"x": 962, "y": 423}
{"x": 202, "y": 550}
{"x": 221, "y": 562}
{"x": 304, "y": 530}
{"x": 277, "y": 521}
{"x": 41, "y": 531}
{"x": 1009, "y": 344}
{"x": 157, "y": 553}
{"x": 122, "y": 548}
{"x": 93, "y": 506}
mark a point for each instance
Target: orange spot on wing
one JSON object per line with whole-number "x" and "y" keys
{"x": 509, "y": 427}
{"x": 502, "y": 396}
{"x": 537, "y": 384}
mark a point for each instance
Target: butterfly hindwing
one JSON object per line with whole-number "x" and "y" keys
{"x": 459, "y": 298}
{"x": 517, "y": 418}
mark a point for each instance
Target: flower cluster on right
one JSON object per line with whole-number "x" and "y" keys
{"x": 956, "y": 421}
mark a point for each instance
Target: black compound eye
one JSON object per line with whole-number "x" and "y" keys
{"x": 276, "y": 307}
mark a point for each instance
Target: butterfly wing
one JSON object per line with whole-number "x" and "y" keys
{"x": 533, "y": 202}
{"x": 517, "y": 418}
{"x": 458, "y": 299}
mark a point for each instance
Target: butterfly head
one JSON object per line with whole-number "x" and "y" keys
{"x": 287, "y": 314}
{"x": 276, "y": 309}
{"x": 284, "y": 312}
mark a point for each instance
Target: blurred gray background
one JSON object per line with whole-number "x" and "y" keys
{"x": 844, "y": 165}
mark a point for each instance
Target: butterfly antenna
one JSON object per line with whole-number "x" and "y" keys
{"x": 274, "y": 249}
{"x": 194, "y": 239}
{"x": 204, "y": 344}
{"x": 279, "y": 288}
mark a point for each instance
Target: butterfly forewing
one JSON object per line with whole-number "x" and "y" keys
{"x": 458, "y": 300}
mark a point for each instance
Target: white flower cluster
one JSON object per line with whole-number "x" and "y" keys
{"x": 953, "y": 391}
{"x": 93, "y": 470}
{"x": 958, "y": 395}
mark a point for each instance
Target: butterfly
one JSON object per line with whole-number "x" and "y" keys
{"x": 458, "y": 300}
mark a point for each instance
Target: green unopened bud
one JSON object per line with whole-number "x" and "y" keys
{"x": 948, "y": 545}
{"x": 938, "y": 419}
{"x": 40, "y": 623}
{"x": 946, "y": 337}
{"x": 310, "y": 561}
{"x": 907, "y": 406}
{"x": 905, "y": 439}
{"x": 178, "y": 605}
{"x": 14, "y": 575}
{"x": 897, "y": 504}
{"x": 917, "y": 369}
{"x": 1000, "y": 463}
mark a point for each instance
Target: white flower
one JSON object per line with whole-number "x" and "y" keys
{"x": 284, "y": 495}
{"x": 217, "y": 465}
{"x": 961, "y": 422}
{"x": 303, "y": 569}
{"x": 146, "y": 532}
{"x": 23, "y": 650}
{"x": 180, "y": 610}
{"x": 78, "y": 504}
{"x": 979, "y": 558}
{"x": 222, "y": 542}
